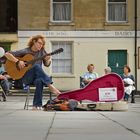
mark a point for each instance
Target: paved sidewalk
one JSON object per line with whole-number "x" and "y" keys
{"x": 19, "y": 124}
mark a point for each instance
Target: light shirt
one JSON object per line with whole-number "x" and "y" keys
{"x": 89, "y": 76}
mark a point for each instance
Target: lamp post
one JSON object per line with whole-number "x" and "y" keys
{"x": 135, "y": 54}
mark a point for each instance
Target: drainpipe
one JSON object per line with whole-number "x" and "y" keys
{"x": 135, "y": 54}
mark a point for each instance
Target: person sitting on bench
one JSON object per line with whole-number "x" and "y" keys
{"x": 35, "y": 75}
{"x": 88, "y": 76}
{"x": 4, "y": 84}
{"x": 129, "y": 82}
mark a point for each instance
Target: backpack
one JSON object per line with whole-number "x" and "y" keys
{"x": 60, "y": 105}
{"x": 18, "y": 84}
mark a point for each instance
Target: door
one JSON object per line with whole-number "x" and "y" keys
{"x": 116, "y": 60}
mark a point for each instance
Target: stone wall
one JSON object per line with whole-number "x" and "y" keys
{"x": 86, "y": 15}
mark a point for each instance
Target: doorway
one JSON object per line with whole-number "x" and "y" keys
{"x": 116, "y": 60}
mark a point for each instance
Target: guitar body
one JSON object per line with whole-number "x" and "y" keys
{"x": 12, "y": 69}
{"x": 111, "y": 85}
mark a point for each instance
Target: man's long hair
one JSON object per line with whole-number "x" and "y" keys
{"x": 35, "y": 39}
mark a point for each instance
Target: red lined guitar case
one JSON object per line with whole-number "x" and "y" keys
{"x": 108, "y": 88}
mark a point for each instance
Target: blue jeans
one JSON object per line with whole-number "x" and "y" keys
{"x": 126, "y": 97}
{"x": 39, "y": 78}
{"x": 5, "y": 85}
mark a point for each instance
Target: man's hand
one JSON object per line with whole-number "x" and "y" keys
{"x": 87, "y": 80}
{"x": 47, "y": 61}
{"x": 47, "y": 58}
{"x": 2, "y": 77}
{"x": 21, "y": 64}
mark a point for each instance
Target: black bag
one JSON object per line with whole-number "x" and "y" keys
{"x": 60, "y": 105}
{"x": 18, "y": 84}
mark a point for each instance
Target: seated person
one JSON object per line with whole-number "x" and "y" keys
{"x": 5, "y": 86}
{"x": 88, "y": 76}
{"x": 4, "y": 83}
{"x": 128, "y": 82}
{"x": 107, "y": 70}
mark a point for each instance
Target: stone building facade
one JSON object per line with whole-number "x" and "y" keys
{"x": 101, "y": 32}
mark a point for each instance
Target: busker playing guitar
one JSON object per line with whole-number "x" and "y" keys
{"x": 35, "y": 75}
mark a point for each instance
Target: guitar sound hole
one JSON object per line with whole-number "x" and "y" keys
{"x": 26, "y": 65}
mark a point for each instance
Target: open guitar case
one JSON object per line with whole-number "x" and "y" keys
{"x": 104, "y": 93}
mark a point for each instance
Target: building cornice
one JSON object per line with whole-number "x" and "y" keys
{"x": 79, "y": 34}
{"x": 8, "y": 38}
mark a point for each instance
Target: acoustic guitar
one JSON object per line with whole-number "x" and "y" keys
{"x": 16, "y": 73}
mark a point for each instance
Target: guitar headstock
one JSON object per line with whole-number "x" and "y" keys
{"x": 57, "y": 51}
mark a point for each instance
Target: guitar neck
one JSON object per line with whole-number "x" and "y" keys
{"x": 37, "y": 59}
{"x": 42, "y": 57}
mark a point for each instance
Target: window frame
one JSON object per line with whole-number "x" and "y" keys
{"x": 138, "y": 57}
{"x": 60, "y": 21}
{"x": 72, "y": 58}
{"x": 107, "y": 10}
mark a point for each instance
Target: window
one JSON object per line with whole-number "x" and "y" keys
{"x": 61, "y": 10}
{"x": 62, "y": 63}
{"x": 117, "y": 10}
{"x": 8, "y": 15}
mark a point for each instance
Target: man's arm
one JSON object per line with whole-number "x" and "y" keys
{"x": 85, "y": 79}
{"x": 11, "y": 57}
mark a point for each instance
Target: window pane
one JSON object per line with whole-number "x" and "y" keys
{"x": 61, "y": 0}
{"x": 61, "y": 11}
{"x": 117, "y": 12}
{"x": 117, "y": 0}
{"x": 62, "y": 63}
{"x": 63, "y": 66}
